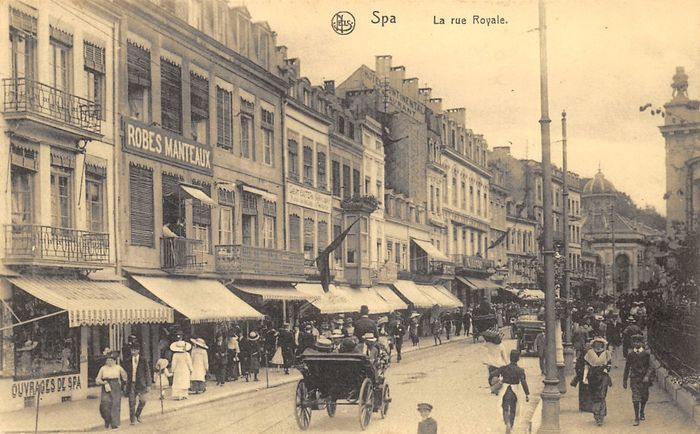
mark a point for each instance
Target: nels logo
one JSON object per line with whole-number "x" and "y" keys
{"x": 343, "y": 23}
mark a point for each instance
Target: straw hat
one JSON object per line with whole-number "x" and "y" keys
{"x": 253, "y": 336}
{"x": 323, "y": 344}
{"x": 161, "y": 364}
{"x": 369, "y": 337}
{"x": 180, "y": 347}
{"x": 337, "y": 333}
{"x": 631, "y": 319}
{"x": 415, "y": 315}
{"x": 200, "y": 343}
{"x": 382, "y": 320}
{"x": 600, "y": 340}
{"x": 28, "y": 345}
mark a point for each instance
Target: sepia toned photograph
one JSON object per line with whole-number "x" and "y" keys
{"x": 343, "y": 216}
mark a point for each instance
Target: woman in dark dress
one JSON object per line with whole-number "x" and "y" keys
{"x": 219, "y": 357}
{"x": 598, "y": 363}
{"x": 253, "y": 349}
{"x": 584, "y": 391}
{"x": 111, "y": 377}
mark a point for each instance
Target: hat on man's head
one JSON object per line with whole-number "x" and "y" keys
{"x": 382, "y": 320}
{"x": 414, "y": 315}
{"x": 364, "y": 310}
{"x": 424, "y": 406}
{"x": 253, "y": 336}
{"x": 323, "y": 344}
{"x": 337, "y": 334}
{"x": 631, "y": 319}
{"x": 369, "y": 337}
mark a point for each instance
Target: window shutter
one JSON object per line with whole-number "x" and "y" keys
{"x": 224, "y": 121}
{"x": 201, "y": 213}
{"x": 94, "y": 57}
{"x": 138, "y": 61}
{"x": 294, "y": 233}
{"x": 322, "y": 235}
{"x": 141, "y": 205}
{"x": 308, "y": 233}
{"x": 199, "y": 91}
{"x": 171, "y": 96}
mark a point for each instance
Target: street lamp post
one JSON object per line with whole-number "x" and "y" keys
{"x": 566, "y": 284}
{"x": 550, "y": 393}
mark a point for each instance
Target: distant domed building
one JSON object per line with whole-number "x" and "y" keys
{"x": 620, "y": 242}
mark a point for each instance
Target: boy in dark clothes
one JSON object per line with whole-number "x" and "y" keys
{"x": 512, "y": 375}
{"x": 638, "y": 370}
{"x": 427, "y": 425}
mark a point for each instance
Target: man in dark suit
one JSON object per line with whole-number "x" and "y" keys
{"x": 138, "y": 382}
{"x": 286, "y": 341}
{"x": 365, "y": 325}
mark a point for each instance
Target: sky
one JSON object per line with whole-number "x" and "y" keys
{"x": 605, "y": 59}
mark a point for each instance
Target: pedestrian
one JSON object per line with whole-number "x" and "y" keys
{"x": 629, "y": 331}
{"x": 182, "y": 368}
{"x": 111, "y": 377}
{"x": 447, "y": 324}
{"x": 244, "y": 356}
{"x": 512, "y": 375}
{"x": 398, "y": 333}
{"x": 232, "y": 355}
{"x": 200, "y": 366}
{"x": 365, "y": 324}
{"x": 427, "y": 425}
{"x": 495, "y": 353}
{"x": 540, "y": 347}
{"x": 413, "y": 329}
{"x": 436, "y": 329}
{"x": 598, "y": 364}
{"x": 162, "y": 376}
{"x": 138, "y": 382}
{"x": 613, "y": 334}
{"x": 584, "y": 391}
{"x": 639, "y": 372}
{"x": 219, "y": 357}
{"x": 254, "y": 351}
{"x": 286, "y": 342}
{"x": 457, "y": 319}
{"x": 467, "y": 320}
{"x": 348, "y": 327}
{"x": 306, "y": 339}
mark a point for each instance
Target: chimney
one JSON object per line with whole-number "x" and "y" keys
{"x": 458, "y": 115}
{"x": 329, "y": 86}
{"x": 424, "y": 94}
{"x": 501, "y": 151}
{"x": 435, "y": 104}
{"x": 396, "y": 76}
{"x": 382, "y": 65}
{"x": 281, "y": 51}
{"x": 295, "y": 65}
{"x": 410, "y": 87}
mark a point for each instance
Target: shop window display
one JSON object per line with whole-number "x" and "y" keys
{"x": 47, "y": 346}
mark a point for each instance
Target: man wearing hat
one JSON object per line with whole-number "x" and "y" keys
{"x": 638, "y": 370}
{"x": 629, "y": 331}
{"x": 397, "y": 333}
{"x": 138, "y": 381}
{"x": 286, "y": 342}
{"x": 427, "y": 425}
{"x": 306, "y": 339}
{"x": 365, "y": 325}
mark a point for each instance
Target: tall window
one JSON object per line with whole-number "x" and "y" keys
{"x": 337, "y": 253}
{"x": 321, "y": 168}
{"x": 61, "y": 197}
{"x": 322, "y": 235}
{"x": 201, "y": 219}
{"x": 309, "y": 232}
{"x": 224, "y": 119}
{"x": 23, "y": 44}
{"x": 346, "y": 181}
{"x": 60, "y": 59}
{"x": 199, "y": 106}
{"x": 341, "y": 125}
{"x": 308, "y": 164}
{"x": 294, "y": 233}
{"x": 471, "y": 198}
{"x": 171, "y": 96}
{"x": 268, "y": 125}
{"x": 249, "y": 223}
{"x": 335, "y": 177}
{"x": 293, "y": 156}
{"x": 454, "y": 192}
{"x": 432, "y": 199}
{"x": 380, "y": 196}
{"x": 226, "y": 217}
{"x": 356, "y": 182}
{"x": 95, "y": 202}
{"x": 22, "y": 195}
{"x": 95, "y": 75}
{"x": 139, "y": 76}
{"x": 269, "y": 224}
{"x": 247, "y": 150}
{"x": 464, "y": 195}
{"x": 437, "y": 199}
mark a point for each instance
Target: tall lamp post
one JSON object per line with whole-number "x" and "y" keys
{"x": 566, "y": 284}
{"x": 550, "y": 393}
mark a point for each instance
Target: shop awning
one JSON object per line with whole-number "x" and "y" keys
{"x": 431, "y": 250}
{"x": 90, "y": 302}
{"x": 531, "y": 294}
{"x": 410, "y": 291}
{"x": 198, "y": 194}
{"x": 274, "y": 292}
{"x": 333, "y": 301}
{"x": 262, "y": 193}
{"x": 390, "y": 297}
{"x": 440, "y": 296}
{"x": 200, "y": 300}
{"x": 365, "y": 296}
{"x": 476, "y": 283}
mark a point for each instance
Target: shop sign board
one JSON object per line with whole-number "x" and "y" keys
{"x": 165, "y": 146}
{"x": 307, "y": 198}
{"x": 60, "y": 384}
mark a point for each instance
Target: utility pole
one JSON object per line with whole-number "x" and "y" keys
{"x": 612, "y": 237}
{"x": 550, "y": 393}
{"x": 566, "y": 285}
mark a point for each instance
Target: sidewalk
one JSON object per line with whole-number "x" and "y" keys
{"x": 80, "y": 416}
{"x": 662, "y": 415}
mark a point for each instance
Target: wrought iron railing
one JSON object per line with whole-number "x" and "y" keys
{"x": 181, "y": 255}
{"x": 674, "y": 336}
{"x": 27, "y": 95}
{"x": 237, "y": 260}
{"x": 473, "y": 262}
{"x": 28, "y": 243}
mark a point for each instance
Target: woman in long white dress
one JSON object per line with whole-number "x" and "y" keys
{"x": 181, "y": 368}
{"x": 200, "y": 366}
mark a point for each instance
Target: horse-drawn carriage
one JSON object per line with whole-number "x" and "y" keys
{"x": 332, "y": 379}
{"x": 526, "y": 329}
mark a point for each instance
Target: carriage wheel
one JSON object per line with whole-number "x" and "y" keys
{"x": 386, "y": 400}
{"x": 302, "y": 412}
{"x": 331, "y": 407}
{"x": 366, "y": 402}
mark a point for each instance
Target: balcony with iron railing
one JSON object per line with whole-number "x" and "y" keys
{"x": 27, "y": 244}
{"x": 182, "y": 255}
{"x": 238, "y": 261}
{"x": 383, "y": 272}
{"x": 476, "y": 263}
{"x": 27, "y": 99}
{"x": 428, "y": 271}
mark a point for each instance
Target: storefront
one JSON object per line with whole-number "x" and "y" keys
{"x": 280, "y": 302}
{"x": 59, "y": 329}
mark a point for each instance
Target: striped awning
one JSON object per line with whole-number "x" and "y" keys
{"x": 409, "y": 290}
{"x": 333, "y": 301}
{"x": 367, "y": 297}
{"x": 390, "y": 297}
{"x": 441, "y": 296}
{"x": 200, "y": 300}
{"x": 90, "y": 302}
